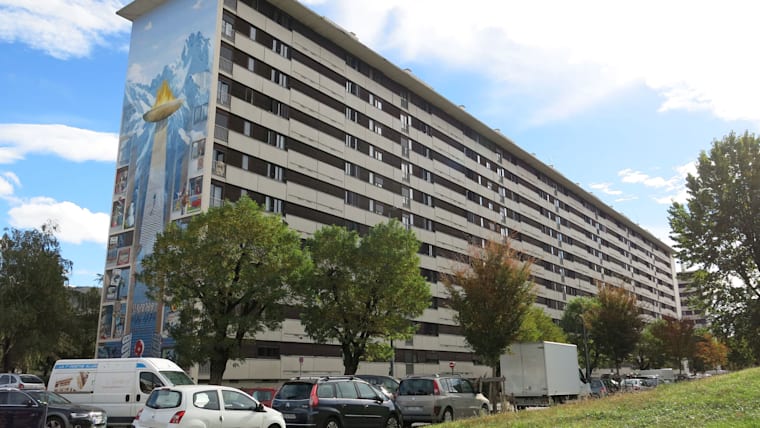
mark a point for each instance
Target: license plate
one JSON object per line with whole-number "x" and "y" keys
{"x": 288, "y": 416}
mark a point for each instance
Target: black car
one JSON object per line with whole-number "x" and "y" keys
{"x": 62, "y": 413}
{"x": 17, "y": 409}
{"x": 335, "y": 402}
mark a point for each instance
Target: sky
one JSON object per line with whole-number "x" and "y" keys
{"x": 619, "y": 97}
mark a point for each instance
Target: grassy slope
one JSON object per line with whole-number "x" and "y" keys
{"x": 730, "y": 400}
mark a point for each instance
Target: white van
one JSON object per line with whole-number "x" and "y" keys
{"x": 118, "y": 385}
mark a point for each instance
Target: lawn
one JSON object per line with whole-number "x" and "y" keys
{"x": 729, "y": 400}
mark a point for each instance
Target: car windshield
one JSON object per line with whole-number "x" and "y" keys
{"x": 178, "y": 378}
{"x": 294, "y": 391}
{"x": 50, "y": 398}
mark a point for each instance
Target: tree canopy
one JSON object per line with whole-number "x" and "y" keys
{"x": 717, "y": 229}
{"x": 492, "y": 292}
{"x": 227, "y": 273}
{"x": 537, "y": 326}
{"x": 363, "y": 291}
{"x": 33, "y": 290}
{"x": 615, "y": 323}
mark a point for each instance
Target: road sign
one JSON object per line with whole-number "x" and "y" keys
{"x": 452, "y": 364}
{"x": 139, "y": 347}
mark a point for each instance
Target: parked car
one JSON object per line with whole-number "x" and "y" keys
{"x": 389, "y": 383}
{"x": 335, "y": 402}
{"x": 598, "y": 389}
{"x": 184, "y": 406}
{"x": 612, "y": 385}
{"x": 21, "y": 381}
{"x": 437, "y": 399}
{"x": 18, "y": 409}
{"x": 262, "y": 394}
{"x": 632, "y": 384}
{"x": 62, "y": 413}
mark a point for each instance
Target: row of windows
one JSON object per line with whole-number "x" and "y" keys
{"x": 353, "y": 88}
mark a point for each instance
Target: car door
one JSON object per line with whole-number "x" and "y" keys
{"x": 373, "y": 409}
{"x": 354, "y": 413}
{"x": 239, "y": 410}
{"x": 205, "y": 407}
{"x": 467, "y": 394}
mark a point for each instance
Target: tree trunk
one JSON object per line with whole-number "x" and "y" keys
{"x": 218, "y": 364}
{"x": 350, "y": 360}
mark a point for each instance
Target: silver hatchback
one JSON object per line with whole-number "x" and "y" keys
{"x": 438, "y": 398}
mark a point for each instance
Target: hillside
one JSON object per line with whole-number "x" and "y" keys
{"x": 730, "y": 400}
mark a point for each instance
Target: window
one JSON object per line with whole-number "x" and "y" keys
{"x": 351, "y": 141}
{"x": 247, "y": 128}
{"x": 377, "y": 154}
{"x": 234, "y": 400}
{"x": 149, "y": 382}
{"x": 405, "y": 122}
{"x": 346, "y": 389}
{"x": 245, "y": 161}
{"x": 216, "y": 195}
{"x": 352, "y": 170}
{"x": 352, "y": 88}
{"x": 375, "y": 101}
{"x": 281, "y": 48}
{"x": 252, "y": 33}
{"x": 274, "y": 172}
{"x": 406, "y": 170}
{"x": 228, "y": 30}
{"x": 208, "y": 400}
{"x": 351, "y": 198}
{"x": 376, "y": 207}
{"x": 280, "y": 109}
{"x": 223, "y": 93}
{"x": 275, "y": 139}
{"x": 279, "y": 78}
{"x": 251, "y": 64}
{"x": 273, "y": 205}
{"x": 351, "y": 114}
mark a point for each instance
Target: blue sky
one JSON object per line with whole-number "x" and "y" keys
{"x": 620, "y": 97}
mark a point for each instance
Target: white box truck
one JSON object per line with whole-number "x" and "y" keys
{"x": 118, "y": 385}
{"x": 542, "y": 373}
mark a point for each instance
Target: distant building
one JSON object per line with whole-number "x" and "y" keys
{"x": 686, "y": 292}
{"x": 270, "y": 100}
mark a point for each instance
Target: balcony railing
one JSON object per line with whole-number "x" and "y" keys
{"x": 225, "y": 65}
{"x": 230, "y": 4}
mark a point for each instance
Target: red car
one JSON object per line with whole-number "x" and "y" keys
{"x": 264, "y": 395}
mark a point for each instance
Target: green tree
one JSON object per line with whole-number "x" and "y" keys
{"x": 575, "y": 322}
{"x": 678, "y": 338}
{"x": 364, "y": 291}
{"x": 492, "y": 292}
{"x": 33, "y": 279}
{"x": 718, "y": 229}
{"x": 227, "y": 273}
{"x": 538, "y": 327}
{"x": 650, "y": 352}
{"x": 615, "y": 323}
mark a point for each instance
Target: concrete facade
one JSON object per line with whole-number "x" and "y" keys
{"x": 315, "y": 126}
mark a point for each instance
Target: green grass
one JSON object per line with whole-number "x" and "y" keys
{"x": 730, "y": 400}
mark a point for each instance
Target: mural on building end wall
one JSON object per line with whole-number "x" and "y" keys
{"x": 160, "y": 164}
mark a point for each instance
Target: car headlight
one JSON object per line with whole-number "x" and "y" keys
{"x": 97, "y": 418}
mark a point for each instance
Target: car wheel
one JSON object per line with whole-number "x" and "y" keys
{"x": 332, "y": 423}
{"x": 54, "y": 422}
{"x": 391, "y": 422}
{"x": 448, "y": 415}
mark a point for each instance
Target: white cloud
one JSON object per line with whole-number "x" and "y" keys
{"x": 675, "y": 187}
{"x": 8, "y": 182}
{"x": 605, "y": 188}
{"x": 75, "y": 224}
{"x": 572, "y": 55}
{"x": 61, "y": 28}
{"x": 74, "y": 144}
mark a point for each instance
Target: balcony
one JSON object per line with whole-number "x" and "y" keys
{"x": 220, "y": 169}
{"x": 221, "y": 133}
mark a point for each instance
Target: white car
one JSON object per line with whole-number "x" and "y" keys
{"x": 209, "y": 406}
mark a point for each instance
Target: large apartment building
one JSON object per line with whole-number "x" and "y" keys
{"x": 265, "y": 98}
